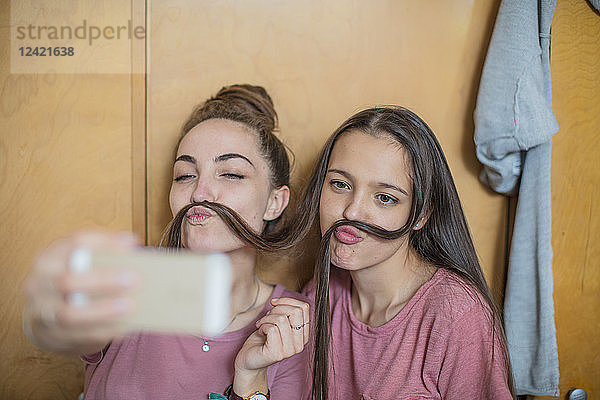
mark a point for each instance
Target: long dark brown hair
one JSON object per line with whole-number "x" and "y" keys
{"x": 444, "y": 241}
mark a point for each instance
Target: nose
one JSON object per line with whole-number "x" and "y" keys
{"x": 355, "y": 209}
{"x": 204, "y": 190}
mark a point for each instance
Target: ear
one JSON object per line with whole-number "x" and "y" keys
{"x": 278, "y": 201}
{"x": 422, "y": 221}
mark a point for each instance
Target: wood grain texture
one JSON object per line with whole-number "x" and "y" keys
{"x": 65, "y": 164}
{"x": 575, "y": 62}
{"x": 322, "y": 61}
{"x": 138, "y": 124}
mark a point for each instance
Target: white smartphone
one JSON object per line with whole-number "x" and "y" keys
{"x": 181, "y": 292}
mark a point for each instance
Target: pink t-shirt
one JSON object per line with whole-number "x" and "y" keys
{"x": 147, "y": 366}
{"x": 437, "y": 347}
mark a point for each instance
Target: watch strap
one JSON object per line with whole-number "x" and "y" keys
{"x": 231, "y": 395}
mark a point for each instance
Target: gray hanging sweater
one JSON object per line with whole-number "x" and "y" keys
{"x": 514, "y": 124}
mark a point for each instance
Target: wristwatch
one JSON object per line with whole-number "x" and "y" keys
{"x": 254, "y": 396}
{"x": 231, "y": 395}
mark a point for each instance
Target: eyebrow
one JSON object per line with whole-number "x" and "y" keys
{"x": 221, "y": 158}
{"x": 393, "y": 187}
{"x": 379, "y": 184}
{"x": 186, "y": 158}
{"x": 229, "y": 156}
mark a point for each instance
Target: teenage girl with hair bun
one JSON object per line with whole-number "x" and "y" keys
{"x": 228, "y": 163}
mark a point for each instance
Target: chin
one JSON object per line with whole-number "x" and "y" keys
{"x": 344, "y": 263}
{"x": 223, "y": 245}
{"x": 199, "y": 247}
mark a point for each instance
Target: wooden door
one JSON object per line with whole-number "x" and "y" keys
{"x": 322, "y": 61}
{"x": 68, "y": 146}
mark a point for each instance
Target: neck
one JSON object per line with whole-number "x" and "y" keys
{"x": 380, "y": 292}
{"x": 245, "y": 304}
{"x": 243, "y": 285}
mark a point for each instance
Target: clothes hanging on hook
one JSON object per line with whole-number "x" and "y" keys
{"x": 514, "y": 125}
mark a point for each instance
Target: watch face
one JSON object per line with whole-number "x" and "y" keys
{"x": 258, "y": 396}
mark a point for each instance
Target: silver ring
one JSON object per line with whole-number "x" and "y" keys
{"x": 299, "y": 326}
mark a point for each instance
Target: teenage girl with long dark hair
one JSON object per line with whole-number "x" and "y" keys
{"x": 402, "y": 309}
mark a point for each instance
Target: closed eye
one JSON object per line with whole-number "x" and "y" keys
{"x": 386, "y": 199}
{"x": 232, "y": 176}
{"x": 184, "y": 177}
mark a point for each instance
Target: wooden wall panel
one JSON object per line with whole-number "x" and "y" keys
{"x": 575, "y": 62}
{"x": 322, "y": 61}
{"x": 65, "y": 163}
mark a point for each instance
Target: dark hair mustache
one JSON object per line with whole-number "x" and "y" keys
{"x": 171, "y": 237}
{"x": 172, "y": 234}
{"x": 366, "y": 227}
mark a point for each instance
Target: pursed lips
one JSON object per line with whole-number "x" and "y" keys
{"x": 197, "y": 215}
{"x": 348, "y": 234}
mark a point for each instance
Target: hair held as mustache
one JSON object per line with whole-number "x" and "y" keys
{"x": 172, "y": 234}
{"x": 369, "y": 228}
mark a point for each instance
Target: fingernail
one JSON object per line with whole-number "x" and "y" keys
{"x": 274, "y": 299}
{"x": 122, "y": 305}
{"x": 127, "y": 278}
{"x": 78, "y": 299}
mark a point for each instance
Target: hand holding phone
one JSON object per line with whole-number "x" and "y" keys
{"x": 87, "y": 289}
{"x": 177, "y": 292}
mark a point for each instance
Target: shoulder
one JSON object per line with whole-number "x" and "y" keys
{"x": 470, "y": 354}
{"x": 453, "y": 299}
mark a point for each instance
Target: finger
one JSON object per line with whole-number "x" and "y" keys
{"x": 294, "y": 302}
{"x": 274, "y": 347}
{"x": 104, "y": 312}
{"x": 292, "y": 340}
{"x": 100, "y": 335}
{"x": 92, "y": 338}
{"x": 55, "y": 259}
{"x": 294, "y": 314}
{"x": 96, "y": 282}
{"x": 49, "y": 264}
{"x": 299, "y": 315}
{"x": 57, "y": 254}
